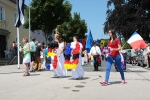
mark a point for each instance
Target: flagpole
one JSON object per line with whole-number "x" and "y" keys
{"x": 124, "y": 44}
{"x": 18, "y": 47}
{"x": 29, "y": 22}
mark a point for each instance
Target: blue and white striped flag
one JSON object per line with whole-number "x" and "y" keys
{"x": 20, "y": 19}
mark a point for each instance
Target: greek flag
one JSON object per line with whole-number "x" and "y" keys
{"x": 20, "y": 19}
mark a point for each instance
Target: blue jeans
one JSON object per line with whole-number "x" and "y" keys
{"x": 109, "y": 64}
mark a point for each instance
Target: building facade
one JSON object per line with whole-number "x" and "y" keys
{"x": 8, "y": 32}
{"x": 40, "y": 37}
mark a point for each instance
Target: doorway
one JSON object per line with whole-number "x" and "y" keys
{"x": 2, "y": 46}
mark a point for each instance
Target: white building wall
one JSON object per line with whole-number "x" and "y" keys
{"x": 39, "y": 35}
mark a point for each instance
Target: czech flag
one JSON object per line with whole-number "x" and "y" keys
{"x": 136, "y": 41}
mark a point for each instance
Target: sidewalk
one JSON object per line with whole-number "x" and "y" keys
{"x": 40, "y": 85}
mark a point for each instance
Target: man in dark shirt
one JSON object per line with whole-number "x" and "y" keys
{"x": 38, "y": 59}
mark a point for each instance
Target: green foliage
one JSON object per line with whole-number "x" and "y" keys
{"x": 75, "y": 27}
{"x": 128, "y": 16}
{"x": 125, "y": 45}
{"x": 106, "y": 43}
{"x": 47, "y": 14}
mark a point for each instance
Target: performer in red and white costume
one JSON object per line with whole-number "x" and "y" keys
{"x": 78, "y": 72}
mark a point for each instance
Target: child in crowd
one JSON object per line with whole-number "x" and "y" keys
{"x": 43, "y": 58}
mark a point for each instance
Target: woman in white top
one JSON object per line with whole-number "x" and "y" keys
{"x": 61, "y": 58}
{"x": 59, "y": 71}
{"x": 43, "y": 58}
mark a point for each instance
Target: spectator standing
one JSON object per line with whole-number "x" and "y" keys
{"x": 148, "y": 56}
{"x": 133, "y": 55}
{"x": 37, "y": 58}
{"x": 26, "y": 55}
{"x": 95, "y": 52}
{"x": 32, "y": 51}
{"x": 13, "y": 48}
{"x": 43, "y": 57}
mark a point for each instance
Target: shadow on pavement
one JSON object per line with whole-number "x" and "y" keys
{"x": 139, "y": 71}
{"x": 34, "y": 74}
{"x": 17, "y": 72}
{"x": 67, "y": 76}
{"x": 11, "y": 72}
{"x": 84, "y": 78}
{"x": 5, "y": 73}
{"x": 115, "y": 82}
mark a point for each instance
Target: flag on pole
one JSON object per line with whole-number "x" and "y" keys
{"x": 136, "y": 41}
{"x": 99, "y": 41}
{"x": 120, "y": 40}
{"x": 102, "y": 43}
{"x": 89, "y": 42}
{"x": 20, "y": 19}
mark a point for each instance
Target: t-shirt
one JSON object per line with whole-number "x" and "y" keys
{"x": 32, "y": 46}
{"x": 114, "y": 45}
{"x": 146, "y": 51}
{"x": 95, "y": 50}
{"x": 133, "y": 53}
{"x": 38, "y": 51}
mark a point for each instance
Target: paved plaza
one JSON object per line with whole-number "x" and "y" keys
{"x": 40, "y": 85}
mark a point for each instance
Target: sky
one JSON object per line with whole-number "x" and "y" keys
{"x": 94, "y": 13}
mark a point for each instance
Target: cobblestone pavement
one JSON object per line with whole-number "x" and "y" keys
{"x": 40, "y": 85}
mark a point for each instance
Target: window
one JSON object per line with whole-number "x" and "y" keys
{"x": 15, "y": 16}
{"x": 2, "y": 12}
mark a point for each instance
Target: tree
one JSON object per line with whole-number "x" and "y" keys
{"x": 125, "y": 45}
{"x": 76, "y": 26}
{"x": 47, "y": 14}
{"x": 128, "y": 16}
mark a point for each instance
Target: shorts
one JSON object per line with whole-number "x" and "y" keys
{"x": 133, "y": 58}
{"x": 32, "y": 56}
{"x": 26, "y": 60}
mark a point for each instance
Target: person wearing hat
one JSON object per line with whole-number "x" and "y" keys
{"x": 95, "y": 52}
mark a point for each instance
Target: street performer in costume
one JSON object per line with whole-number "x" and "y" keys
{"x": 75, "y": 63}
{"x": 54, "y": 55}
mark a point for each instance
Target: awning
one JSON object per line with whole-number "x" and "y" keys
{"x": 4, "y": 32}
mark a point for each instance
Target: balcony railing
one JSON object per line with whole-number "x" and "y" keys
{"x": 3, "y": 24}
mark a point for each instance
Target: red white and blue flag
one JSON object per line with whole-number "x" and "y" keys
{"x": 136, "y": 41}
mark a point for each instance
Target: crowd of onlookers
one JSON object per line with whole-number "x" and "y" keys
{"x": 38, "y": 57}
{"x": 145, "y": 54}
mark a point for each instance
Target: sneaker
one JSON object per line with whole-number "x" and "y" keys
{"x": 104, "y": 83}
{"x": 123, "y": 82}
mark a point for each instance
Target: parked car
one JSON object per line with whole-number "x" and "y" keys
{"x": 128, "y": 56}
